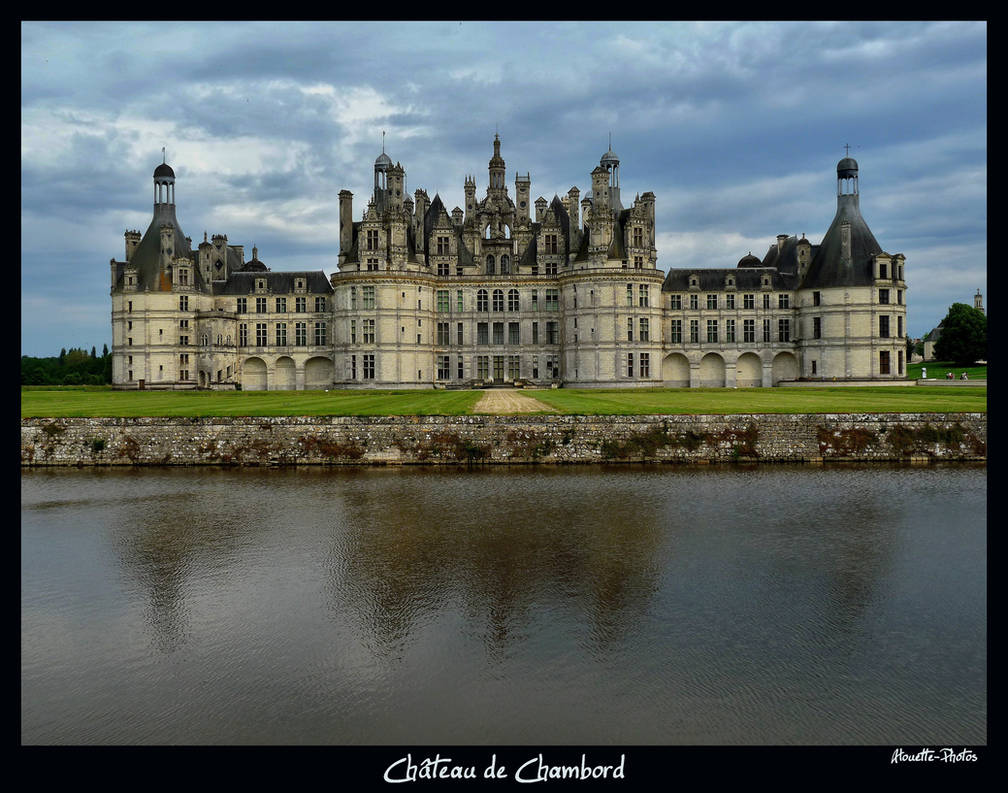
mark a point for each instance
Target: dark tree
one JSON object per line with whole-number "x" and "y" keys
{"x": 963, "y": 338}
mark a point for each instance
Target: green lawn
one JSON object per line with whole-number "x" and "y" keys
{"x": 58, "y": 401}
{"x": 876, "y": 399}
{"x": 937, "y": 369}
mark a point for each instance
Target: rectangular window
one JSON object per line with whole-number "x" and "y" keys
{"x": 883, "y": 326}
{"x": 368, "y": 326}
{"x": 629, "y": 294}
{"x": 513, "y": 300}
{"x": 899, "y": 327}
{"x": 748, "y": 301}
{"x": 642, "y": 296}
{"x": 301, "y": 334}
{"x": 242, "y": 335}
{"x": 644, "y": 329}
{"x": 883, "y": 272}
{"x": 482, "y": 367}
{"x": 353, "y": 367}
{"x": 301, "y": 305}
{"x": 281, "y": 305}
{"x": 694, "y": 302}
{"x": 513, "y": 367}
{"x": 676, "y": 332}
{"x": 498, "y": 333}
{"x": 281, "y": 334}
{"x": 749, "y": 330}
{"x": 459, "y": 336}
{"x": 443, "y": 367}
{"x": 260, "y": 305}
{"x": 638, "y": 262}
{"x": 368, "y": 366}
{"x": 675, "y": 302}
{"x": 550, "y": 243}
{"x": 783, "y": 301}
{"x": 551, "y": 268}
{"x": 320, "y": 304}
{"x": 816, "y": 298}
{"x": 899, "y": 359}
{"x": 482, "y": 333}
{"x": 629, "y": 364}
{"x": 711, "y": 301}
{"x": 766, "y": 301}
{"x": 645, "y": 364}
{"x": 461, "y": 373}
{"x": 712, "y": 335}
{"x": 552, "y": 299}
{"x": 443, "y": 301}
{"x": 368, "y": 295}
{"x": 816, "y": 327}
{"x": 498, "y": 367}
{"x": 551, "y": 333}
{"x": 458, "y": 301}
{"x": 241, "y": 306}
{"x": 629, "y": 328}
{"x": 730, "y": 300}
{"x": 353, "y": 331}
{"x": 783, "y": 330}
{"x": 183, "y": 303}
{"x": 260, "y": 334}
{"x": 729, "y": 330}
{"x": 498, "y": 300}
{"x": 766, "y": 328}
{"x": 694, "y": 331}
{"x": 535, "y": 332}
{"x": 443, "y": 334}
{"x": 884, "y": 362}
{"x": 638, "y": 237}
{"x": 899, "y": 297}
{"x": 372, "y": 265}
{"x": 372, "y": 239}
{"x": 813, "y": 367}
{"x": 883, "y": 296}
{"x": 513, "y": 333}
{"x": 443, "y": 247}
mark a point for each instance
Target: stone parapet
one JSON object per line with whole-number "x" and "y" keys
{"x": 383, "y": 440}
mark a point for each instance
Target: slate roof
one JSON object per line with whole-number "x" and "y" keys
{"x": 714, "y": 279}
{"x": 279, "y": 282}
{"x": 147, "y": 256}
{"x": 827, "y": 267}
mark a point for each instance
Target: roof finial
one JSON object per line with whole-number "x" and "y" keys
{"x": 847, "y": 147}
{"x": 610, "y": 140}
{"x": 383, "y": 141}
{"x": 163, "y": 155}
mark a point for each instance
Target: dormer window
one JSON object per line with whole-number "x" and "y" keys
{"x": 694, "y": 281}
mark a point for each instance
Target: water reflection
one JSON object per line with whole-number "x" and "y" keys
{"x": 696, "y": 605}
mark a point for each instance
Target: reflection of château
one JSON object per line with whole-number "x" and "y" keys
{"x": 426, "y": 297}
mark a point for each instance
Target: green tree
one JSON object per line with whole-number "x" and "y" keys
{"x": 963, "y": 338}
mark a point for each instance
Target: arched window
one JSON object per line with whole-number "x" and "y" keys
{"x": 490, "y": 265}
{"x": 498, "y": 300}
{"x": 513, "y": 304}
{"x": 481, "y": 300}
{"x": 505, "y": 264}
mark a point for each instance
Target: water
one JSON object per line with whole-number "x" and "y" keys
{"x": 624, "y": 605}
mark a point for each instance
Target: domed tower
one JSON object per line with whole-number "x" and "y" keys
{"x": 853, "y": 297}
{"x": 382, "y": 166}
{"x": 164, "y": 185}
{"x": 610, "y": 161}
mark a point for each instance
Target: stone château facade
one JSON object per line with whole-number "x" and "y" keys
{"x": 567, "y": 293}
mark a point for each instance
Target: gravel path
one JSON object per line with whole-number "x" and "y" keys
{"x": 508, "y": 400}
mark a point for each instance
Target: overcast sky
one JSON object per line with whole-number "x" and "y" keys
{"x": 736, "y": 128}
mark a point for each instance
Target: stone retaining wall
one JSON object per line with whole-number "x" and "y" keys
{"x": 353, "y": 440}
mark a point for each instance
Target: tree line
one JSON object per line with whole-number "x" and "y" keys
{"x": 75, "y": 366}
